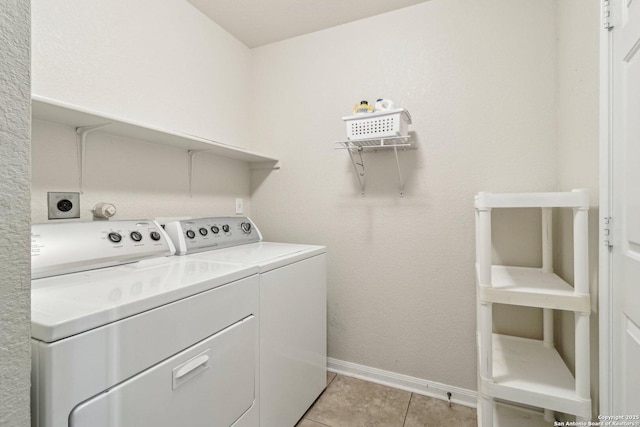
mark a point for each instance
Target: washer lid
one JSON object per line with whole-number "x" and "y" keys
{"x": 266, "y": 255}
{"x": 66, "y": 305}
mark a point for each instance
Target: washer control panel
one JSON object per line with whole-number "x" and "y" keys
{"x": 205, "y": 234}
{"x": 60, "y": 248}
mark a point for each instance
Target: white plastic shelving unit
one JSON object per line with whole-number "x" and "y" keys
{"x": 527, "y": 371}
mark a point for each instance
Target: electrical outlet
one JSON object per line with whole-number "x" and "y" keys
{"x": 63, "y": 205}
{"x": 239, "y": 205}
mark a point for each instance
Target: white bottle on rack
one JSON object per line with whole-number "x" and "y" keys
{"x": 384, "y": 104}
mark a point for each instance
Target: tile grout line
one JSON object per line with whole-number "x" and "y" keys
{"x": 406, "y": 414}
{"x": 322, "y": 424}
{"x": 317, "y": 422}
{"x": 311, "y": 419}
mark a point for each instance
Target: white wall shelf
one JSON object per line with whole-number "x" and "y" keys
{"x": 385, "y": 143}
{"x": 357, "y": 147}
{"x": 526, "y": 371}
{"x": 82, "y": 118}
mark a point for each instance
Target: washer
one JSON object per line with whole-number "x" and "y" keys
{"x": 161, "y": 342}
{"x": 293, "y": 319}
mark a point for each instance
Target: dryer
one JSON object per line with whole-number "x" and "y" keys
{"x": 293, "y": 319}
{"x": 124, "y": 335}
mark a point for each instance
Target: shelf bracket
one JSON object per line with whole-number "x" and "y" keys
{"x": 192, "y": 155}
{"x": 375, "y": 144}
{"x": 267, "y": 165}
{"x": 81, "y": 141}
{"x": 395, "y": 151}
{"x": 359, "y": 174}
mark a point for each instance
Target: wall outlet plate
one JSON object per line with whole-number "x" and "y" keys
{"x": 63, "y": 205}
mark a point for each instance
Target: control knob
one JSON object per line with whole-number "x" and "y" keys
{"x": 191, "y": 234}
{"x": 155, "y": 236}
{"x": 215, "y": 229}
{"x": 115, "y": 237}
{"x": 136, "y": 236}
{"x": 225, "y": 228}
{"x": 203, "y": 231}
{"x": 246, "y": 227}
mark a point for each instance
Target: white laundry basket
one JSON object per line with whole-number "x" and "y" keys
{"x": 378, "y": 125}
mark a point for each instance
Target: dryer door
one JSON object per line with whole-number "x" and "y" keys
{"x": 211, "y": 383}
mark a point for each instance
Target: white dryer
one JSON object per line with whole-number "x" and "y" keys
{"x": 293, "y": 319}
{"x": 162, "y": 342}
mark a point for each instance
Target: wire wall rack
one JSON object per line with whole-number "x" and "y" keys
{"x": 355, "y": 148}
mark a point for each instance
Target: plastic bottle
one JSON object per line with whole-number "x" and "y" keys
{"x": 384, "y": 104}
{"x": 362, "y": 108}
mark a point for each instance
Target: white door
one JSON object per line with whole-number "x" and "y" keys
{"x": 625, "y": 271}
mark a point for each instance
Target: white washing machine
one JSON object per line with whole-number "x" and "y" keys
{"x": 162, "y": 342}
{"x": 293, "y": 319}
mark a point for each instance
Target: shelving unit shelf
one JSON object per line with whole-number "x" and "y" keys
{"x": 532, "y": 287}
{"x": 521, "y": 370}
{"x": 505, "y": 415}
{"x": 528, "y": 372}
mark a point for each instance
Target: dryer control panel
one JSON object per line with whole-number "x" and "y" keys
{"x": 60, "y": 248}
{"x": 205, "y": 234}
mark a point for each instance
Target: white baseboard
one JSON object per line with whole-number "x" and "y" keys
{"x": 434, "y": 389}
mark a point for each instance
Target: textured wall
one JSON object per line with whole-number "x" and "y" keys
{"x": 578, "y": 145}
{"x": 479, "y": 80}
{"x": 168, "y": 66}
{"x": 15, "y": 285}
{"x": 479, "y": 77}
{"x": 142, "y": 179}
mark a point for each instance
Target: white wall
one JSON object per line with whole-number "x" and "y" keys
{"x": 578, "y": 108}
{"x": 143, "y": 180}
{"x": 15, "y": 286}
{"x": 479, "y": 80}
{"x": 168, "y": 66}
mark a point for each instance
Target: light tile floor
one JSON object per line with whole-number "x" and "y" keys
{"x": 351, "y": 402}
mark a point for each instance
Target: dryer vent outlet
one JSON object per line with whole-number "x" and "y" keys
{"x": 63, "y": 205}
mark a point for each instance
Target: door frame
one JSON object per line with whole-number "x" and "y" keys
{"x": 606, "y": 137}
